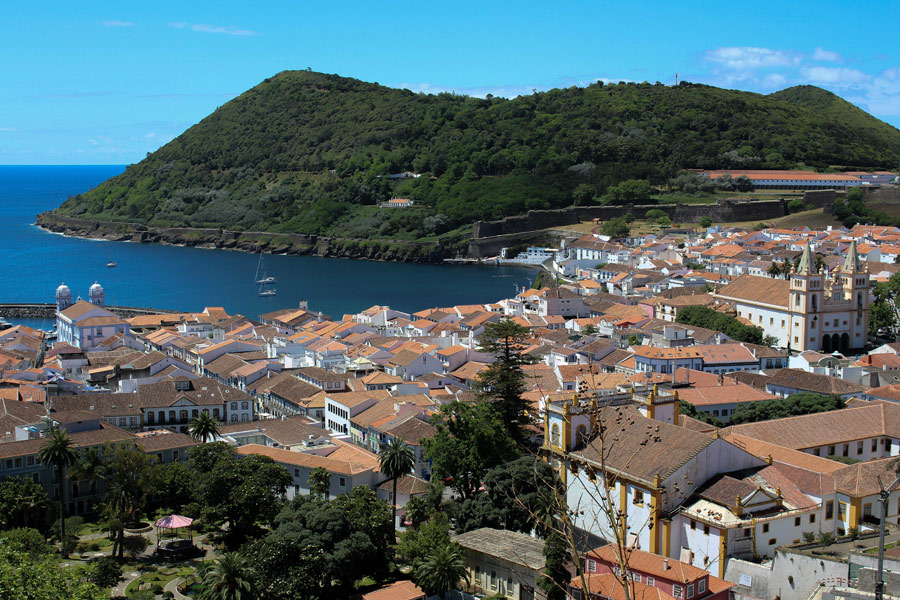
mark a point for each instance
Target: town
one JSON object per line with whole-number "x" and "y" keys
{"x": 712, "y": 413}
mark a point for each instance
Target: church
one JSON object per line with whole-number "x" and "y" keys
{"x": 810, "y": 310}
{"x": 86, "y": 325}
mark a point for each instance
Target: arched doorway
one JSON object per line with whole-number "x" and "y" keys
{"x": 835, "y": 342}
{"x": 826, "y": 344}
{"x": 845, "y": 343}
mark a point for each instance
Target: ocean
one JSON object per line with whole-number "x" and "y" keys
{"x": 33, "y": 263}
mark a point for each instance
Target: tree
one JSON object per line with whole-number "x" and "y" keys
{"x": 442, "y": 570}
{"x": 204, "y": 428}
{"x": 502, "y": 383}
{"x": 104, "y": 572}
{"x": 229, "y": 578}
{"x": 29, "y": 540}
{"x": 583, "y": 194}
{"x": 27, "y": 577}
{"x": 416, "y": 543}
{"x": 57, "y": 451}
{"x": 469, "y": 441}
{"x": 632, "y": 191}
{"x": 239, "y": 490}
{"x": 705, "y": 222}
{"x": 701, "y": 316}
{"x": 802, "y": 403}
{"x": 775, "y": 269}
{"x": 89, "y": 466}
{"x": 615, "y": 228}
{"x": 556, "y": 574}
{"x": 396, "y": 459}
{"x": 796, "y": 205}
{"x": 129, "y": 474}
{"x": 589, "y": 329}
{"x": 285, "y": 569}
{"x": 345, "y": 539}
{"x": 515, "y": 495}
{"x": 319, "y": 483}
{"x": 23, "y": 503}
{"x": 742, "y": 183}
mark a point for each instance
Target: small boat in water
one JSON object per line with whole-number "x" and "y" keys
{"x": 265, "y": 281}
{"x": 110, "y": 263}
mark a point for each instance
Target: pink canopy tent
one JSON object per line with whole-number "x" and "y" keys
{"x": 173, "y": 522}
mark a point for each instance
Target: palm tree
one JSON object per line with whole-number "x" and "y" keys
{"x": 319, "y": 482}
{"x": 397, "y": 459}
{"x": 90, "y": 465}
{"x": 228, "y": 579}
{"x": 57, "y": 451}
{"x": 774, "y": 269}
{"x": 442, "y": 570}
{"x": 204, "y": 428}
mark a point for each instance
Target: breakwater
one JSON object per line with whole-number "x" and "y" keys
{"x": 24, "y": 310}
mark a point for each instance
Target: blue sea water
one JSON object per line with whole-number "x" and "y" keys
{"x": 33, "y": 263}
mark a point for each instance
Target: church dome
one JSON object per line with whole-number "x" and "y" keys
{"x": 63, "y": 292}
{"x": 96, "y": 290}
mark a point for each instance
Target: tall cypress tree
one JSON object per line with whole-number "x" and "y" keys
{"x": 503, "y": 382}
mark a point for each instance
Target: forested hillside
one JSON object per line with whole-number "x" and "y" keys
{"x": 309, "y": 153}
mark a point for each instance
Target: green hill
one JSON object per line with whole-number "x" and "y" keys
{"x": 310, "y": 153}
{"x": 868, "y": 130}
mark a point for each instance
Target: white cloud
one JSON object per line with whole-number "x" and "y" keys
{"x": 117, "y": 23}
{"x": 743, "y": 58}
{"x": 826, "y": 55}
{"x": 227, "y": 30}
{"x": 837, "y": 76}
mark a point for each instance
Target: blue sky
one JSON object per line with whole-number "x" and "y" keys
{"x": 105, "y": 83}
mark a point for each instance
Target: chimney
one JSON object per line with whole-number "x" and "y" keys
{"x": 721, "y": 379}
{"x": 665, "y": 564}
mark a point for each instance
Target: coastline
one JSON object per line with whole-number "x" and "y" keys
{"x": 291, "y": 244}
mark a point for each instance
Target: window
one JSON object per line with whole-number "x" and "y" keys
{"x": 701, "y": 586}
{"x": 875, "y": 445}
{"x": 817, "y": 452}
{"x": 867, "y": 509}
{"x": 842, "y": 510}
{"x": 747, "y": 532}
{"x": 183, "y": 415}
{"x": 493, "y": 580}
{"x": 829, "y": 510}
{"x": 150, "y": 418}
{"x": 677, "y": 591}
{"x": 554, "y": 435}
{"x": 830, "y": 450}
{"x": 638, "y": 497}
{"x": 705, "y": 529}
{"x": 234, "y": 406}
{"x": 771, "y": 541}
{"x": 650, "y": 581}
{"x": 812, "y": 518}
{"x": 846, "y": 451}
{"x": 342, "y": 482}
{"x": 796, "y": 521}
{"x": 765, "y": 528}
{"x": 690, "y": 590}
{"x": 693, "y": 524}
{"x": 175, "y": 454}
{"x": 592, "y": 566}
{"x": 245, "y": 405}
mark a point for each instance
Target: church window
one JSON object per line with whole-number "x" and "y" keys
{"x": 554, "y": 434}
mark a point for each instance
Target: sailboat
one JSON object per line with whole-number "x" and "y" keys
{"x": 110, "y": 263}
{"x": 264, "y": 279}
{"x": 266, "y": 284}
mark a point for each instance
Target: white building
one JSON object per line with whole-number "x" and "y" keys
{"x": 810, "y": 311}
{"x": 86, "y": 325}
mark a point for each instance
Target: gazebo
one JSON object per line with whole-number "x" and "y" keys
{"x": 175, "y": 544}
